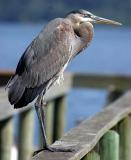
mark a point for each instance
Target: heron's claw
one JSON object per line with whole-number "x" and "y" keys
{"x": 36, "y": 152}
{"x": 52, "y": 149}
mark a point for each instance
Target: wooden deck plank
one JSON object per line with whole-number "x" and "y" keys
{"x": 84, "y": 137}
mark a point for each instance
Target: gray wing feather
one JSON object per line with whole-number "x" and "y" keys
{"x": 46, "y": 56}
{"x": 16, "y": 89}
{"x": 43, "y": 59}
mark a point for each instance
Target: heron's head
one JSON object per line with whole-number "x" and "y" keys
{"x": 80, "y": 16}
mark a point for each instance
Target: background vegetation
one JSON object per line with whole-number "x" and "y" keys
{"x": 39, "y": 10}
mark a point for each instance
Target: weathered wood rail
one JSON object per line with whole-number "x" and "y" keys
{"x": 91, "y": 133}
{"x": 109, "y": 131}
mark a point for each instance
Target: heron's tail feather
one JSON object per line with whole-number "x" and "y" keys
{"x": 29, "y": 95}
{"x": 16, "y": 89}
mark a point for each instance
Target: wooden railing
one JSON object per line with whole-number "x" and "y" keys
{"x": 105, "y": 136}
{"x": 56, "y": 99}
{"x": 85, "y": 141}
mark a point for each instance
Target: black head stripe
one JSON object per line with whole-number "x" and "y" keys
{"x": 81, "y": 11}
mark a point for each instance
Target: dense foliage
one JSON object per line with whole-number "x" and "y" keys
{"x": 39, "y": 10}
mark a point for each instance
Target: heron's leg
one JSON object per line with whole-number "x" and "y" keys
{"x": 40, "y": 110}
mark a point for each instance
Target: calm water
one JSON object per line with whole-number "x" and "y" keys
{"x": 110, "y": 52}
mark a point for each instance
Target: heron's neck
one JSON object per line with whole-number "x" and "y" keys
{"x": 85, "y": 32}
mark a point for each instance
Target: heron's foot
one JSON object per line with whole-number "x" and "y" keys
{"x": 53, "y": 149}
{"x": 36, "y": 152}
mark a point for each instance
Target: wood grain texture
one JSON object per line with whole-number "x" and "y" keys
{"x": 109, "y": 146}
{"x": 84, "y": 137}
{"x": 92, "y": 156}
{"x": 6, "y": 138}
{"x": 49, "y": 122}
{"x": 26, "y": 127}
{"x": 124, "y": 129}
{"x": 59, "y": 117}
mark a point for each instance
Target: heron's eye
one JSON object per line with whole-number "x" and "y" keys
{"x": 87, "y": 15}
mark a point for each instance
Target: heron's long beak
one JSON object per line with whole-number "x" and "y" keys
{"x": 97, "y": 19}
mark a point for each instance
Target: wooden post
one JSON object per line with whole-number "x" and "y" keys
{"x": 25, "y": 135}
{"x": 92, "y": 156}
{"x": 124, "y": 129}
{"x": 113, "y": 94}
{"x": 6, "y": 138}
{"x": 49, "y": 121}
{"x": 49, "y": 124}
{"x": 109, "y": 146}
{"x": 59, "y": 117}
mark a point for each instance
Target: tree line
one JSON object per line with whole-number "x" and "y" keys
{"x": 40, "y": 10}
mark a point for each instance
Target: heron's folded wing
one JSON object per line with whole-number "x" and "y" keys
{"x": 46, "y": 55}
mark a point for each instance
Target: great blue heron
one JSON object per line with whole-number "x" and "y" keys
{"x": 46, "y": 58}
